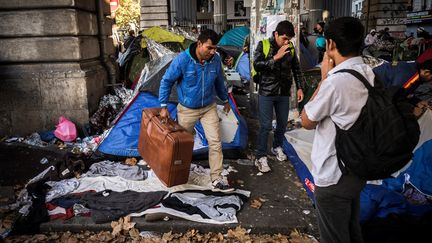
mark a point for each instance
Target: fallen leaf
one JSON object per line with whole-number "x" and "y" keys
{"x": 167, "y": 237}
{"x": 220, "y": 236}
{"x": 134, "y": 234}
{"x": 131, "y": 161}
{"x": 127, "y": 224}
{"x": 298, "y": 184}
{"x": 117, "y": 227}
{"x": 297, "y": 237}
{"x": 72, "y": 239}
{"x": 104, "y": 236}
{"x": 39, "y": 237}
{"x": 239, "y": 234}
{"x": 255, "y": 203}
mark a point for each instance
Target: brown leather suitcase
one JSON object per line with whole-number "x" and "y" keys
{"x": 166, "y": 147}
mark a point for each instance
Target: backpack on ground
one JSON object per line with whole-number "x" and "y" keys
{"x": 384, "y": 136}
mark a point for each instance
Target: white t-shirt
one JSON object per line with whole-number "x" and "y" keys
{"x": 340, "y": 99}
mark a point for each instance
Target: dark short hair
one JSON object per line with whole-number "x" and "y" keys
{"x": 347, "y": 33}
{"x": 285, "y": 28}
{"x": 425, "y": 65}
{"x": 208, "y": 34}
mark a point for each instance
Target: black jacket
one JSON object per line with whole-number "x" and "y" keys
{"x": 275, "y": 77}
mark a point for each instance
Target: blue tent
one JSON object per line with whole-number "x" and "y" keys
{"x": 234, "y": 37}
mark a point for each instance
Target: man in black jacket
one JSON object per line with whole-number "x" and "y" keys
{"x": 276, "y": 69}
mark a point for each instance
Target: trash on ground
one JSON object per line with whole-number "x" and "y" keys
{"x": 256, "y": 203}
{"x": 65, "y": 130}
{"x": 131, "y": 161}
{"x": 245, "y": 162}
{"x": 44, "y": 161}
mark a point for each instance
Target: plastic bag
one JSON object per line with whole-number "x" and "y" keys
{"x": 65, "y": 130}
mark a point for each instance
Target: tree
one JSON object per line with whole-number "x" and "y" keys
{"x": 128, "y": 12}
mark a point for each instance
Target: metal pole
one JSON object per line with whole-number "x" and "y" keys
{"x": 367, "y": 17}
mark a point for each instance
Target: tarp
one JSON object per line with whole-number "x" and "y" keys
{"x": 234, "y": 37}
{"x": 379, "y": 198}
{"x": 160, "y": 35}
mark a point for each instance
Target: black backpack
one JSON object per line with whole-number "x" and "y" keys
{"x": 384, "y": 136}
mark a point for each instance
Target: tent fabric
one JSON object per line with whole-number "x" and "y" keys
{"x": 395, "y": 75}
{"x": 160, "y": 35}
{"x": 122, "y": 140}
{"x": 382, "y": 198}
{"x": 234, "y": 37}
{"x": 297, "y": 145}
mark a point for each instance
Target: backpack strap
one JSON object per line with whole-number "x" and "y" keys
{"x": 358, "y": 76}
{"x": 366, "y": 83}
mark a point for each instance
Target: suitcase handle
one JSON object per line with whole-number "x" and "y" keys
{"x": 170, "y": 124}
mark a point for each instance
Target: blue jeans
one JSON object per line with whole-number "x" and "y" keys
{"x": 265, "y": 107}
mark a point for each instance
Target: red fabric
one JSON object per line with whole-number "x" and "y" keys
{"x": 426, "y": 56}
{"x": 69, "y": 213}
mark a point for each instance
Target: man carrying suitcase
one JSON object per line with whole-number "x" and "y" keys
{"x": 199, "y": 76}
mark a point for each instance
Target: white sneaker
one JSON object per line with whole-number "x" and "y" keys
{"x": 262, "y": 164}
{"x": 280, "y": 155}
{"x": 219, "y": 185}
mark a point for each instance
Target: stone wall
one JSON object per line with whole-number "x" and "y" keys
{"x": 50, "y": 63}
{"x": 154, "y": 13}
{"x": 386, "y": 13}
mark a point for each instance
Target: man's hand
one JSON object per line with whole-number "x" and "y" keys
{"x": 300, "y": 95}
{"x": 227, "y": 107}
{"x": 327, "y": 64}
{"x": 281, "y": 52}
{"x": 229, "y": 62}
{"x": 164, "y": 114}
{"x": 420, "y": 108}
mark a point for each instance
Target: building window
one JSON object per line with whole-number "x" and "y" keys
{"x": 203, "y": 6}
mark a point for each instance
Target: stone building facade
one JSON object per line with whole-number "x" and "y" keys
{"x": 54, "y": 62}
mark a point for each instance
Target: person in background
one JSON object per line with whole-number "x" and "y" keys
{"x": 371, "y": 38}
{"x": 303, "y": 37}
{"x": 276, "y": 69}
{"x": 410, "y": 76}
{"x": 386, "y": 35}
{"x": 338, "y": 100}
{"x": 320, "y": 40}
{"x": 199, "y": 77}
{"x": 129, "y": 38}
{"x": 242, "y": 65}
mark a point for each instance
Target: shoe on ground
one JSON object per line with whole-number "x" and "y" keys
{"x": 220, "y": 185}
{"x": 280, "y": 155}
{"x": 262, "y": 164}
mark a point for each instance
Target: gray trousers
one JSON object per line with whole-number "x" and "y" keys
{"x": 338, "y": 210}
